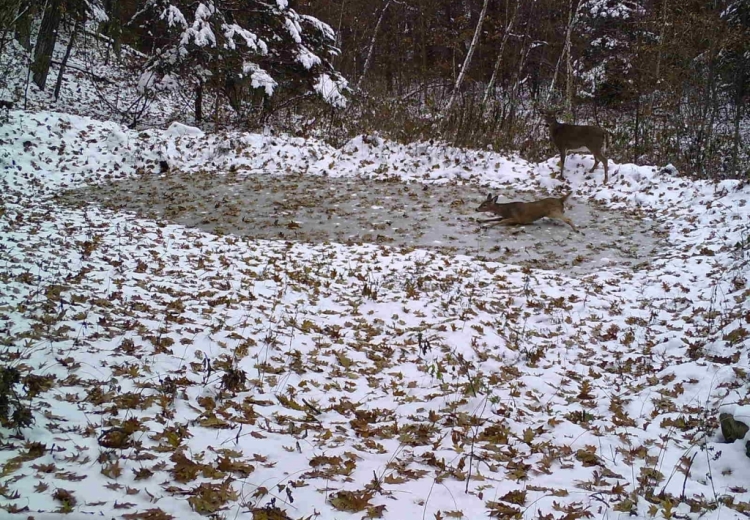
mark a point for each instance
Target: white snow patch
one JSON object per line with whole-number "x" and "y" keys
{"x": 307, "y": 58}
{"x": 180, "y": 130}
{"x": 294, "y": 29}
{"x": 133, "y": 292}
{"x": 331, "y": 90}
{"x": 259, "y": 78}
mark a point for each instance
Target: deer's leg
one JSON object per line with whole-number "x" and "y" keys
{"x": 498, "y": 219}
{"x": 605, "y": 161}
{"x": 596, "y": 161}
{"x": 557, "y": 215}
{"x": 510, "y": 222}
{"x": 599, "y": 157}
{"x": 570, "y": 223}
{"x": 503, "y": 221}
{"x": 562, "y": 163}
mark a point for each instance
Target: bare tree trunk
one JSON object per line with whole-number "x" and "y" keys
{"x": 738, "y": 105}
{"x": 58, "y": 83}
{"x": 637, "y": 130}
{"x": 8, "y": 14}
{"x": 217, "y": 98}
{"x": 662, "y": 32}
{"x": 737, "y": 139}
{"x": 515, "y": 91}
{"x": 423, "y": 52}
{"x": 525, "y": 49}
{"x": 469, "y": 55}
{"x": 11, "y": 12}
{"x": 199, "y": 102}
{"x": 659, "y": 52}
{"x": 368, "y": 61}
{"x": 338, "y": 30}
{"x": 112, "y": 27}
{"x": 499, "y": 61}
{"x": 568, "y": 69}
{"x": 572, "y": 19}
{"x": 23, "y": 25}
{"x": 45, "y": 42}
{"x": 705, "y": 124}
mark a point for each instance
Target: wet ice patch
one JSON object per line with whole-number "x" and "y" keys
{"x": 442, "y": 216}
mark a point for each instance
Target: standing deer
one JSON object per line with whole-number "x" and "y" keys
{"x": 525, "y": 212}
{"x": 578, "y": 138}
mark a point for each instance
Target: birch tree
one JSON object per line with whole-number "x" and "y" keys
{"x": 467, "y": 59}
{"x": 499, "y": 61}
{"x": 371, "y": 48}
{"x": 573, "y": 14}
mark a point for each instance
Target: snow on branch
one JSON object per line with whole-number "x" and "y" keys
{"x": 174, "y": 17}
{"x": 331, "y": 90}
{"x": 252, "y": 40}
{"x": 259, "y": 78}
{"x": 266, "y": 46}
{"x": 307, "y": 58}
{"x": 201, "y": 32}
{"x": 323, "y": 28}
{"x": 293, "y": 27}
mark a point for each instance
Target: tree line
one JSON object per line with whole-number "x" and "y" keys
{"x": 669, "y": 78}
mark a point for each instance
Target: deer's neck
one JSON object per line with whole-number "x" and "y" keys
{"x": 499, "y": 209}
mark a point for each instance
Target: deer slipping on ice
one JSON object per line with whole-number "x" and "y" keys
{"x": 578, "y": 138}
{"x": 511, "y": 213}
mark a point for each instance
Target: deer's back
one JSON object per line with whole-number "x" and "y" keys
{"x": 530, "y": 211}
{"x": 577, "y": 135}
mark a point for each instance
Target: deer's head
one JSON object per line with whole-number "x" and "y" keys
{"x": 488, "y": 203}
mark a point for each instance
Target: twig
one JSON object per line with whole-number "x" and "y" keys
{"x": 94, "y": 76}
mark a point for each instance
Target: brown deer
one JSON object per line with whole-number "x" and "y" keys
{"x": 526, "y": 212}
{"x": 578, "y": 138}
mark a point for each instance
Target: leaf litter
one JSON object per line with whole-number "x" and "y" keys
{"x": 318, "y": 209}
{"x": 179, "y": 372}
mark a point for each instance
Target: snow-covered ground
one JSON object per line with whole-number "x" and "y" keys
{"x": 95, "y": 83}
{"x": 182, "y": 373}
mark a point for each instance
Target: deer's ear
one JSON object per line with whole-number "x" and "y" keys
{"x": 495, "y": 199}
{"x": 489, "y": 196}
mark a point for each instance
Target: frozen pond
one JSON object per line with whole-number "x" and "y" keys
{"x": 357, "y": 210}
